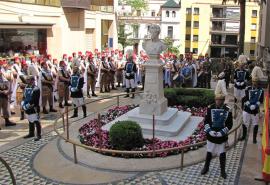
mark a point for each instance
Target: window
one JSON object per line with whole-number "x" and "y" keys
{"x": 253, "y": 26}
{"x": 188, "y": 11}
{"x": 170, "y": 31}
{"x": 254, "y": 13}
{"x": 187, "y": 50}
{"x": 253, "y": 39}
{"x": 187, "y": 37}
{"x": 153, "y": 13}
{"x": 139, "y": 12}
{"x": 40, "y": 2}
{"x": 195, "y": 38}
{"x": 196, "y": 24}
{"x": 174, "y": 14}
{"x": 252, "y": 52}
{"x": 188, "y": 23}
{"x": 167, "y": 14}
{"x": 196, "y": 11}
{"x": 195, "y": 50}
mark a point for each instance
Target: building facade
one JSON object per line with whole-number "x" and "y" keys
{"x": 201, "y": 26}
{"x": 57, "y": 26}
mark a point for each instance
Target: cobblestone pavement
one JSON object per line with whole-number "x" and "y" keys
{"x": 20, "y": 159}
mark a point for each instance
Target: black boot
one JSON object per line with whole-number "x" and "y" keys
{"x": 52, "y": 109}
{"x": 127, "y": 90}
{"x": 67, "y": 104}
{"x": 93, "y": 94}
{"x": 9, "y": 123}
{"x": 133, "y": 95}
{"x": 61, "y": 105}
{"x": 84, "y": 111}
{"x": 222, "y": 161}
{"x": 22, "y": 115}
{"x": 101, "y": 90}
{"x": 75, "y": 114}
{"x": 38, "y": 126}
{"x": 118, "y": 84}
{"x": 255, "y": 132}
{"x": 31, "y": 131}
{"x": 45, "y": 111}
{"x": 207, "y": 163}
{"x": 114, "y": 87}
{"x": 244, "y": 133}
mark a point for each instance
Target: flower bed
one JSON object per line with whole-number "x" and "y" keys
{"x": 90, "y": 132}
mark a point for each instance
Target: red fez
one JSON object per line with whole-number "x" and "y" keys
{"x": 73, "y": 53}
{"x": 23, "y": 63}
{"x": 33, "y": 57}
{"x": 79, "y": 53}
{"x": 70, "y": 57}
{"x": 42, "y": 62}
{"x": 48, "y": 56}
{"x": 64, "y": 55}
{"x": 54, "y": 59}
{"x": 62, "y": 62}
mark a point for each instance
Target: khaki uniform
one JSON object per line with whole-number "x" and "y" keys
{"x": 104, "y": 71}
{"x": 62, "y": 86}
{"x": 111, "y": 74}
{"x": 4, "y": 96}
{"x": 47, "y": 88}
{"x": 21, "y": 86}
{"x": 91, "y": 77}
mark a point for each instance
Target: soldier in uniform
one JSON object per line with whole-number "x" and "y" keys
{"x": 251, "y": 108}
{"x": 206, "y": 67}
{"x": 46, "y": 87}
{"x": 91, "y": 77}
{"x": 218, "y": 122}
{"x": 22, "y": 83}
{"x": 104, "y": 71}
{"x": 111, "y": 74}
{"x": 31, "y": 107}
{"x": 241, "y": 77}
{"x": 76, "y": 90}
{"x": 63, "y": 84}
{"x": 119, "y": 71}
{"x": 130, "y": 71}
{"x": 4, "y": 97}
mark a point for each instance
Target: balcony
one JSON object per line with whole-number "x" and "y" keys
{"x": 139, "y": 19}
{"x": 82, "y": 4}
{"x": 223, "y": 44}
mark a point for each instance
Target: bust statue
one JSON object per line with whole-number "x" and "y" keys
{"x": 154, "y": 46}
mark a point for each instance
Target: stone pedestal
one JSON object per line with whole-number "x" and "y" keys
{"x": 153, "y": 101}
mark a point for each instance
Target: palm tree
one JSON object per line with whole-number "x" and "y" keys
{"x": 242, "y": 4}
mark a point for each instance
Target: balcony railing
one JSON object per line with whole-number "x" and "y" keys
{"x": 138, "y": 18}
{"x": 108, "y": 9}
{"x": 39, "y": 2}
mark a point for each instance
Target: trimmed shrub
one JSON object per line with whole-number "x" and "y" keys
{"x": 126, "y": 135}
{"x": 189, "y": 97}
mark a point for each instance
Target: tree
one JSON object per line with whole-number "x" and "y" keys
{"x": 138, "y": 4}
{"x": 170, "y": 48}
{"x": 123, "y": 36}
{"x": 242, "y": 4}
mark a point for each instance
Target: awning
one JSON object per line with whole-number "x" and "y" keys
{"x": 24, "y": 26}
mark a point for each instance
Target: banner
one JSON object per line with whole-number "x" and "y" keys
{"x": 265, "y": 141}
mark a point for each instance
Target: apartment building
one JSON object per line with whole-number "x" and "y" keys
{"x": 57, "y": 26}
{"x": 199, "y": 26}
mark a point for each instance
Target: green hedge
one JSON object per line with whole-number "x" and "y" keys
{"x": 126, "y": 135}
{"x": 189, "y": 97}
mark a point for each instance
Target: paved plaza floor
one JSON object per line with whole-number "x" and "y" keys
{"x": 22, "y": 155}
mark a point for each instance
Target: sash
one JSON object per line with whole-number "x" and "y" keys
{"x": 254, "y": 96}
{"x": 218, "y": 116}
{"x": 241, "y": 76}
{"x": 74, "y": 81}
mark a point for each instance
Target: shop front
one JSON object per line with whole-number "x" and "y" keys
{"x": 18, "y": 41}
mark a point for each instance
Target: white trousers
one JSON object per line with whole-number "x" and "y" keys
{"x": 32, "y": 117}
{"x": 215, "y": 148}
{"x": 247, "y": 118}
{"x": 78, "y": 101}
{"x": 239, "y": 93}
{"x": 130, "y": 83}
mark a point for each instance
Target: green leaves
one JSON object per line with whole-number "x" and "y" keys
{"x": 138, "y": 4}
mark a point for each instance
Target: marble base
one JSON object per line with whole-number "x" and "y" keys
{"x": 171, "y": 125}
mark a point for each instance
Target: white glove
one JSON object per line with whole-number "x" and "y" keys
{"x": 247, "y": 103}
{"x": 252, "y": 107}
{"x": 218, "y": 134}
{"x": 212, "y": 133}
{"x": 258, "y": 103}
{"x": 73, "y": 89}
{"x": 128, "y": 74}
{"x": 238, "y": 83}
{"x": 242, "y": 83}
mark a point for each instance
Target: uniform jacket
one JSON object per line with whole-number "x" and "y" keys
{"x": 79, "y": 92}
{"x": 246, "y": 102}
